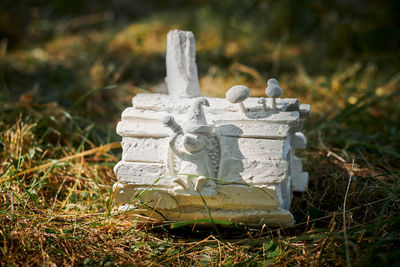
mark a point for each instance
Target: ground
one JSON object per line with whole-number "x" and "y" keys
{"x": 68, "y": 69}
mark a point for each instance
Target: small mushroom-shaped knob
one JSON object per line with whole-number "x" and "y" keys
{"x": 263, "y": 101}
{"x": 273, "y": 90}
{"x": 237, "y": 94}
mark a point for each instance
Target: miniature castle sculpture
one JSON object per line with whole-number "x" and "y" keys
{"x": 187, "y": 157}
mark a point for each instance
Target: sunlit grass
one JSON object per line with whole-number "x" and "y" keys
{"x": 60, "y": 101}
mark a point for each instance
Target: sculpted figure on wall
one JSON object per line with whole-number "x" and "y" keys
{"x": 194, "y": 154}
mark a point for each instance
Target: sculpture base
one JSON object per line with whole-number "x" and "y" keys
{"x": 200, "y": 215}
{"x": 233, "y": 204}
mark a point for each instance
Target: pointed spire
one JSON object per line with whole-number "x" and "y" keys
{"x": 196, "y": 120}
{"x": 182, "y": 77}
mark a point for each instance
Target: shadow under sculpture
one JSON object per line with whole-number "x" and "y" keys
{"x": 193, "y": 157}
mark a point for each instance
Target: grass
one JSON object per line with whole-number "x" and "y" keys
{"x": 63, "y": 88}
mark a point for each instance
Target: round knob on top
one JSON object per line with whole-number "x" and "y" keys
{"x": 273, "y": 89}
{"x": 237, "y": 94}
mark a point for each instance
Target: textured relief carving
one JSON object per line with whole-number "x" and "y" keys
{"x": 194, "y": 151}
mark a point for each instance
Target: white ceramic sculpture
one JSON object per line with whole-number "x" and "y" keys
{"x": 187, "y": 157}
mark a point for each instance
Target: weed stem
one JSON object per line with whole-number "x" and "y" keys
{"x": 346, "y": 245}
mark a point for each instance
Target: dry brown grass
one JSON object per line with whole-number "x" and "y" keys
{"x": 56, "y": 201}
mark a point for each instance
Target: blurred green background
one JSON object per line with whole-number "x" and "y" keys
{"x": 88, "y": 58}
{"x": 68, "y": 68}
